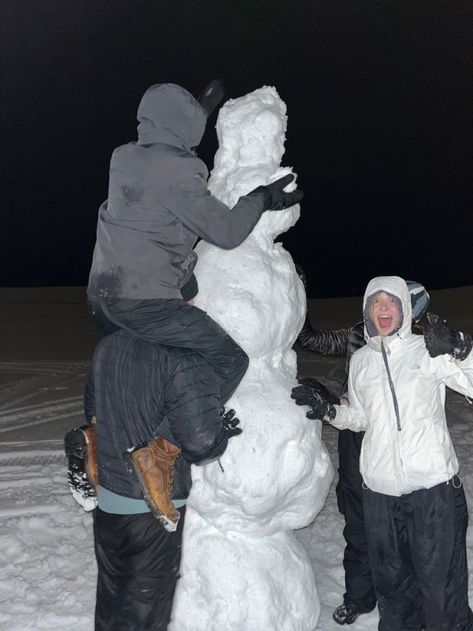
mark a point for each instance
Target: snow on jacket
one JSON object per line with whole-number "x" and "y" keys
{"x": 138, "y": 390}
{"x": 399, "y": 401}
{"x": 159, "y": 204}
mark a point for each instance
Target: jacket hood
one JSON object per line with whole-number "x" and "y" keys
{"x": 170, "y": 115}
{"x": 397, "y": 287}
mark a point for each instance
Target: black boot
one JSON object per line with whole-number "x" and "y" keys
{"x": 80, "y": 448}
{"x": 347, "y": 613}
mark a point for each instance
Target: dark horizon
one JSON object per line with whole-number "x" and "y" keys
{"x": 380, "y": 129}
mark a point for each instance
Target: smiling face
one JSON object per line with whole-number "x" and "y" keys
{"x": 384, "y": 313}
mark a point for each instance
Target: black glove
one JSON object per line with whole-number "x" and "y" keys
{"x": 314, "y": 394}
{"x": 274, "y": 196}
{"x": 230, "y": 423}
{"x": 211, "y": 96}
{"x": 317, "y": 388}
{"x": 441, "y": 339}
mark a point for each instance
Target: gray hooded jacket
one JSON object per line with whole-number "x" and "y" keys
{"x": 159, "y": 204}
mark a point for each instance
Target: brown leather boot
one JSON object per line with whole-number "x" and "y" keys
{"x": 153, "y": 464}
{"x": 91, "y": 466}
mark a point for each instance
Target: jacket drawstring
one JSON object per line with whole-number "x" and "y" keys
{"x": 391, "y": 386}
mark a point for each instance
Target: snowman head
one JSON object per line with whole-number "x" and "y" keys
{"x": 252, "y": 128}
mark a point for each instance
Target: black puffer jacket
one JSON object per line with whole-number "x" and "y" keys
{"x": 138, "y": 390}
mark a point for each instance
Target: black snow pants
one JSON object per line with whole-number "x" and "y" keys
{"x": 138, "y": 568}
{"x": 417, "y": 548}
{"x": 176, "y": 323}
{"x": 359, "y": 588}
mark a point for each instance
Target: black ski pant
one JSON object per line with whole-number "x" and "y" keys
{"x": 138, "y": 568}
{"x": 417, "y": 548}
{"x": 359, "y": 588}
{"x": 176, "y": 323}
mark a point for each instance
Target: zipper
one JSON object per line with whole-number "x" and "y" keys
{"x": 391, "y": 386}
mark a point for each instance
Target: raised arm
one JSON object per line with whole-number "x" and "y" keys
{"x": 213, "y": 221}
{"x": 450, "y": 355}
{"x": 331, "y": 341}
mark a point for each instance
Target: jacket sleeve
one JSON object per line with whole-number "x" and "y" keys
{"x": 455, "y": 374}
{"x": 210, "y": 218}
{"x": 89, "y": 396}
{"x": 350, "y": 416}
{"x": 192, "y": 404}
{"x": 323, "y": 341}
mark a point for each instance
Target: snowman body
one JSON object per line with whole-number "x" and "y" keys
{"x": 242, "y": 567}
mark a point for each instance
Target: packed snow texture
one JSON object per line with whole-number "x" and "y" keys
{"x": 243, "y": 569}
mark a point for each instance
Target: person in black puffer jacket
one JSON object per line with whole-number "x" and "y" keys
{"x": 138, "y": 390}
{"x": 359, "y": 596}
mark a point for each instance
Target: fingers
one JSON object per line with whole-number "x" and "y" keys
{"x": 434, "y": 318}
{"x": 227, "y": 416}
{"x": 285, "y": 180}
{"x": 233, "y": 422}
{"x": 300, "y": 395}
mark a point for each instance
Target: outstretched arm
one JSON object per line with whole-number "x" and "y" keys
{"x": 331, "y": 341}
{"x": 324, "y": 341}
{"x": 213, "y": 221}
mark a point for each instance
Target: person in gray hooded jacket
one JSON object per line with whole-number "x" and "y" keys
{"x": 158, "y": 206}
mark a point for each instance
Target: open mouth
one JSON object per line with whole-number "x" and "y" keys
{"x": 385, "y": 321}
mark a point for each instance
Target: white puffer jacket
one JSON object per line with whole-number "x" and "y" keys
{"x": 399, "y": 400}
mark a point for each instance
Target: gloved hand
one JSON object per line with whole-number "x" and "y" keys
{"x": 275, "y": 197}
{"x": 441, "y": 339}
{"x": 230, "y": 423}
{"x": 313, "y": 387}
{"x": 314, "y": 394}
{"x": 211, "y": 96}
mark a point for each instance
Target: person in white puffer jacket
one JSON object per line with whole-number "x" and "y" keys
{"x": 414, "y": 504}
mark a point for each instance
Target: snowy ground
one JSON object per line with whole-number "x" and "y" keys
{"x": 47, "y": 577}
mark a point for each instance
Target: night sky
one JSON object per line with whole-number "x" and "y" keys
{"x": 379, "y": 97}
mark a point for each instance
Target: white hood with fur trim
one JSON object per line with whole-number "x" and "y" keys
{"x": 397, "y": 395}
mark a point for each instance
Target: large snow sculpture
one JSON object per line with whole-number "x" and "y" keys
{"x": 242, "y": 568}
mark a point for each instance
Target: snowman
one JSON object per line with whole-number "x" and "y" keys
{"x": 242, "y": 567}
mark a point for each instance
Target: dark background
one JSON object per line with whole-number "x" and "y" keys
{"x": 379, "y": 97}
